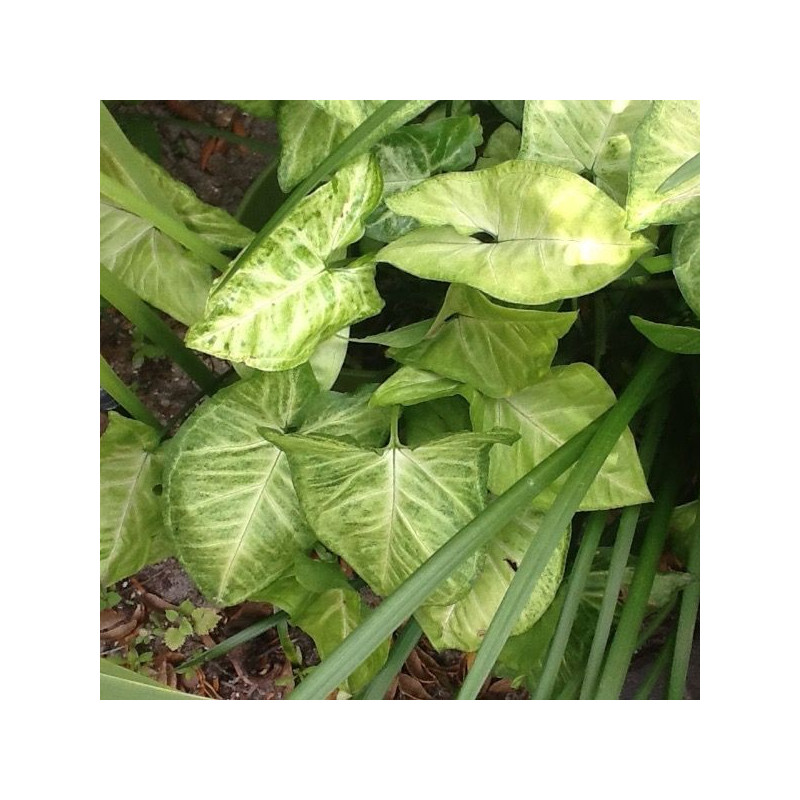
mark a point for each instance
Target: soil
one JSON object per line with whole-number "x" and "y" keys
{"x": 181, "y": 134}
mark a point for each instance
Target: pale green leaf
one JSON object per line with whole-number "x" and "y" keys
{"x": 591, "y": 136}
{"x": 151, "y": 264}
{"x": 286, "y": 297}
{"x": 672, "y": 338}
{"x": 503, "y": 145}
{"x": 424, "y": 422}
{"x": 494, "y": 349}
{"x": 463, "y": 625}
{"x": 400, "y": 337}
{"x": 230, "y": 502}
{"x": 387, "y": 511}
{"x": 131, "y": 531}
{"x": 668, "y": 137}
{"x": 413, "y": 153}
{"x": 557, "y": 235}
{"x": 548, "y": 414}
{"x": 328, "y": 357}
{"x": 345, "y": 416}
{"x": 510, "y": 109}
{"x": 349, "y": 112}
{"x": 308, "y": 134}
{"x": 686, "y": 261}
{"x": 410, "y": 385}
{"x": 318, "y": 576}
{"x": 213, "y": 224}
{"x": 329, "y": 619}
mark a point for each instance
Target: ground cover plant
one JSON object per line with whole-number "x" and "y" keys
{"x": 446, "y": 359}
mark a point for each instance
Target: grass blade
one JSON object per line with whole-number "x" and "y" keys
{"x": 559, "y": 516}
{"x": 387, "y": 118}
{"x": 155, "y": 329}
{"x": 410, "y": 595}
{"x": 687, "y": 620}
{"x": 577, "y": 582}
{"x": 225, "y": 646}
{"x": 406, "y": 642}
{"x": 114, "y": 385}
{"x": 624, "y": 643}
{"x": 128, "y": 200}
{"x": 685, "y": 172}
{"x": 620, "y": 554}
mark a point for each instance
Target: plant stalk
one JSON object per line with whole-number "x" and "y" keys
{"x": 406, "y": 642}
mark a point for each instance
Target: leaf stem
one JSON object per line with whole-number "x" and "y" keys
{"x": 647, "y": 686}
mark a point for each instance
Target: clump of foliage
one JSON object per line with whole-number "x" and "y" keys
{"x": 483, "y": 478}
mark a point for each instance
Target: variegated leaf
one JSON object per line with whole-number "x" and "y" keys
{"x": 132, "y": 533}
{"x": 686, "y": 263}
{"x": 285, "y": 297}
{"x": 584, "y": 135}
{"x": 230, "y": 502}
{"x": 387, "y": 511}
{"x": 410, "y": 385}
{"x": 557, "y": 235}
{"x": 463, "y": 625}
{"x": 667, "y": 138}
{"x": 548, "y": 414}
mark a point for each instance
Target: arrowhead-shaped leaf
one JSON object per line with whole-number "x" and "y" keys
{"x": 672, "y": 338}
{"x": 285, "y": 297}
{"x": 584, "y": 135}
{"x": 686, "y": 261}
{"x": 667, "y": 138}
{"x": 557, "y": 235}
{"x": 387, "y": 511}
{"x": 132, "y": 533}
{"x": 230, "y": 503}
{"x": 463, "y": 625}
{"x": 497, "y": 350}
{"x": 548, "y": 414}
{"x": 413, "y": 153}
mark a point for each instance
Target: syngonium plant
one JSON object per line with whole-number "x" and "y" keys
{"x": 562, "y": 203}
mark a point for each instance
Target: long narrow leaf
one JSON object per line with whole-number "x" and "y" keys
{"x": 411, "y": 594}
{"x": 685, "y": 172}
{"x": 620, "y": 553}
{"x": 155, "y": 329}
{"x": 577, "y": 582}
{"x": 250, "y": 632}
{"x": 623, "y": 645}
{"x": 686, "y": 621}
{"x": 401, "y": 650}
{"x": 390, "y": 116}
{"x": 115, "y": 386}
{"x": 559, "y": 516}
{"x": 656, "y": 670}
